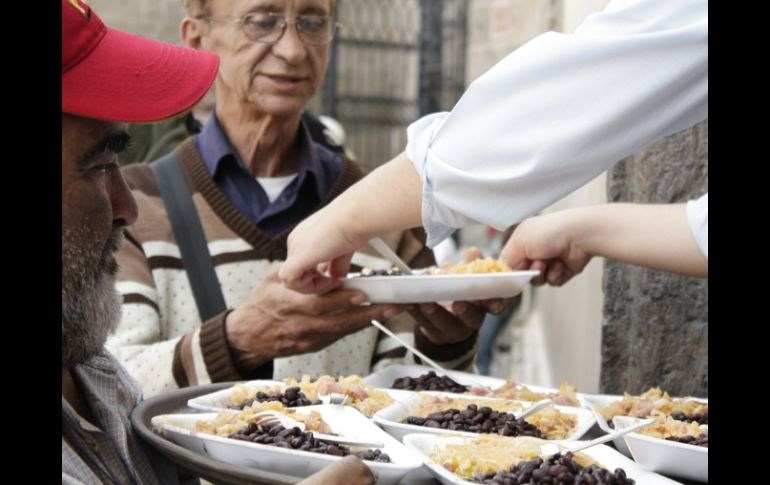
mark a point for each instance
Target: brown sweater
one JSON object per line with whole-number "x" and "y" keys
{"x": 161, "y": 339}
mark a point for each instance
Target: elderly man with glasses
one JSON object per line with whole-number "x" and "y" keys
{"x": 253, "y": 174}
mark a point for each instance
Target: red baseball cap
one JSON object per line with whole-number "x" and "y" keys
{"x": 117, "y": 76}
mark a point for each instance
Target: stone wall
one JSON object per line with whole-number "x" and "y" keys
{"x": 656, "y": 324}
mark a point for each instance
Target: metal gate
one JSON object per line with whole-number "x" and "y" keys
{"x": 391, "y": 62}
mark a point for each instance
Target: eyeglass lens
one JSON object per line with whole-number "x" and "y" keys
{"x": 269, "y": 27}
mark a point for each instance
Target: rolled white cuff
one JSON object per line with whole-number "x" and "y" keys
{"x": 420, "y": 135}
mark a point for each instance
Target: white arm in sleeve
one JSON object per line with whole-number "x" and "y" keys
{"x": 698, "y": 217}
{"x": 559, "y": 111}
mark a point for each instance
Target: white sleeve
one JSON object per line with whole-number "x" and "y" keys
{"x": 560, "y": 110}
{"x": 698, "y": 217}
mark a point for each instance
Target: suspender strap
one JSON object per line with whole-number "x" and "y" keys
{"x": 189, "y": 236}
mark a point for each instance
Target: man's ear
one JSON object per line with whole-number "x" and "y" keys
{"x": 192, "y": 32}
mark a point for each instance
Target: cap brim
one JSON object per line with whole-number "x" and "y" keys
{"x": 134, "y": 79}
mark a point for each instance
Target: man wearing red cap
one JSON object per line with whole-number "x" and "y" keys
{"x": 108, "y": 77}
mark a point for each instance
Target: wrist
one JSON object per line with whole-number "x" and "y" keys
{"x": 239, "y": 343}
{"x": 580, "y": 228}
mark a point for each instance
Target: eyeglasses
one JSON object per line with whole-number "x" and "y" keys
{"x": 268, "y": 27}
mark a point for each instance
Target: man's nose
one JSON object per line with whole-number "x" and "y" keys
{"x": 289, "y": 45}
{"x": 123, "y": 203}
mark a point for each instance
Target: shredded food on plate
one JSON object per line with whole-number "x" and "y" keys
{"x": 554, "y": 424}
{"x": 363, "y": 397}
{"x": 654, "y": 403}
{"x": 491, "y": 453}
{"x": 227, "y": 422}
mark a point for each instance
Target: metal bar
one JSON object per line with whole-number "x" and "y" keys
{"x": 329, "y": 88}
{"x": 380, "y": 44}
{"x": 430, "y": 56}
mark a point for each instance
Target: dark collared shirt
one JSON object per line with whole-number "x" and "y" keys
{"x": 318, "y": 170}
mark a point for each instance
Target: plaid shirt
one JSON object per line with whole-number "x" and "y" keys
{"x": 109, "y": 453}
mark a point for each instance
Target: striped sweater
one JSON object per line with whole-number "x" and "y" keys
{"x": 161, "y": 339}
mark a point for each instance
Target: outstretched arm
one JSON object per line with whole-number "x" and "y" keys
{"x": 385, "y": 200}
{"x": 561, "y": 243}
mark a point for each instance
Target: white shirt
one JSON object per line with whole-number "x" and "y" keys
{"x": 698, "y": 217}
{"x": 274, "y": 186}
{"x": 560, "y": 110}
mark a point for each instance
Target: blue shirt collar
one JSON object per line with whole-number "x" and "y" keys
{"x": 214, "y": 146}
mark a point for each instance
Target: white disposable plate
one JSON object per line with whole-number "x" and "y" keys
{"x": 385, "y": 377}
{"x": 442, "y": 287}
{"x": 218, "y": 401}
{"x": 343, "y": 420}
{"x": 390, "y": 417}
{"x": 606, "y": 456}
{"x": 598, "y": 401}
{"x": 665, "y": 456}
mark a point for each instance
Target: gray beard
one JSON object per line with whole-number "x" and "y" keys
{"x": 90, "y": 303}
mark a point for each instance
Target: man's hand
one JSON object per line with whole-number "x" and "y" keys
{"x": 276, "y": 322}
{"x": 458, "y": 320}
{"x": 350, "y": 470}
{"x": 442, "y": 326}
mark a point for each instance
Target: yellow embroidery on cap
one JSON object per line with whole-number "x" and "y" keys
{"x": 83, "y": 9}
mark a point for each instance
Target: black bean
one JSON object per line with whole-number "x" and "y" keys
{"x": 698, "y": 418}
{"x": 555, "y": 471}
{"x": 504, "y": 424}
{"x": 294, "y": 438}
{"x": 700, "y": 440}
{"x": 290, "y": 398}
{"x": 394, "y": 271}
{"x": 429, "y": 381}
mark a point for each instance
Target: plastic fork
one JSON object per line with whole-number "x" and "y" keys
{"x": 575, "y": 446}
{"x": 422, "y": 356}
{"x": 533, "y": 409}
{"x": 333, "y": 398}
{"x": 387, "y": 253}
{"x": 265, "y": 417}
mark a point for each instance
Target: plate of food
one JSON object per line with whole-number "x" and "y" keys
{"x": 234, "y": 437}
{"x": 445, "y": 413}
{"x": 291, "y": 393}
{"x": 455, "y": 460}
{"x": 421, "y": 378}
{"x": 652, "y": 403}
{"x": 481, "y": 279}
{"x": 669, "y": 446}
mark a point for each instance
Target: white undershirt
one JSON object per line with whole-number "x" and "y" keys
{"x": 274, "y": 185}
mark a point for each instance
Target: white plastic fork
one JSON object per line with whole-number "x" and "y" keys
{"x": 387, "y": 253}
{"x": 422, "y": 356}
{"x": 533, "y": 408}
{"x": 410, "y": 348}
{"x": 575, "y": 446}
{"x": 287, "y": 422}
{"x": 333, "y": 398}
